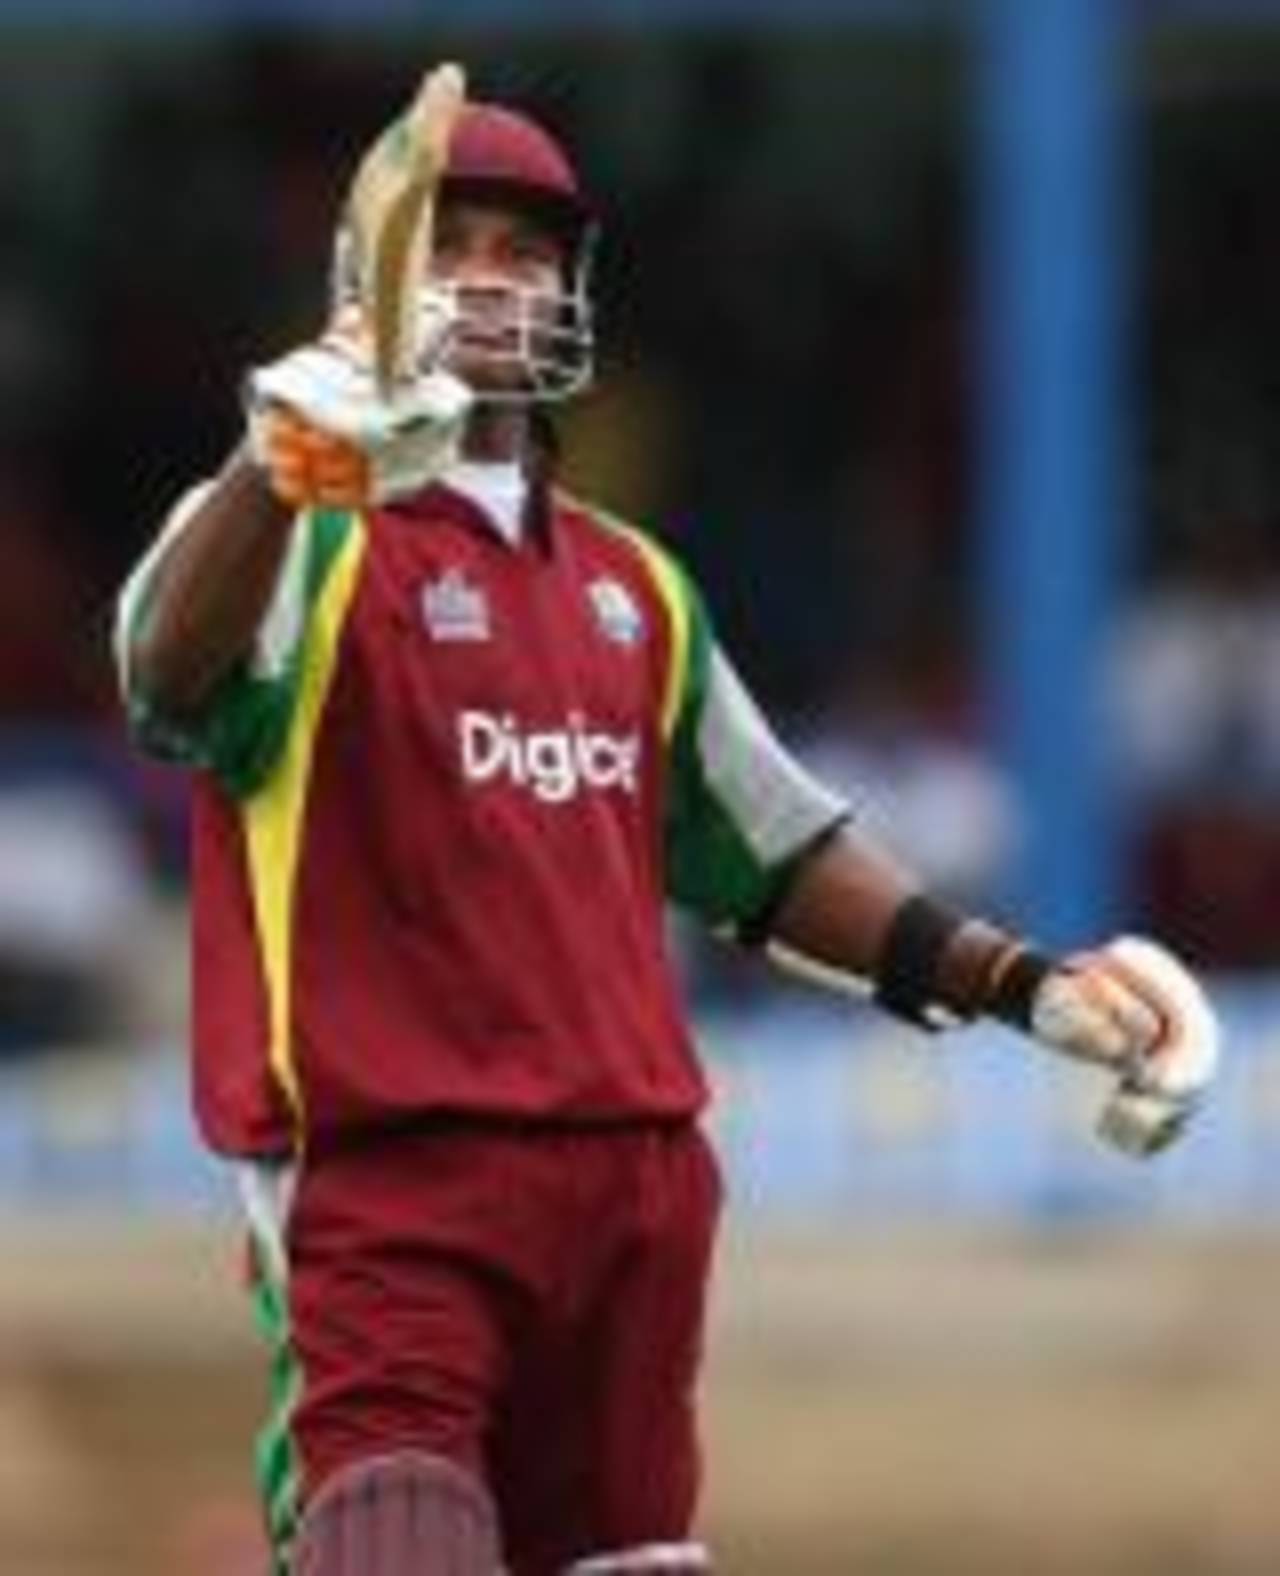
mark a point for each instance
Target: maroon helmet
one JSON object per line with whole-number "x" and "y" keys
{"x": 501, "y": 155}
{"x": 499, "y": 151}
{"x": 497, "y": 154}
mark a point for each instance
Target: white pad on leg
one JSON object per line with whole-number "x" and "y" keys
{"x": 646, "y": 1559}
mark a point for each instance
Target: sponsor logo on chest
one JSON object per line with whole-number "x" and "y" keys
{"x": 555, "y": 765}
{"x": 455, "y": 609}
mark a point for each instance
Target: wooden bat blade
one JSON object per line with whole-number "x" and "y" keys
{"x": 389, "y": 214}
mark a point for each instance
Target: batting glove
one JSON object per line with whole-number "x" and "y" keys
{"x": 1131, "y": 1006}
{"x": 324, "y": 434}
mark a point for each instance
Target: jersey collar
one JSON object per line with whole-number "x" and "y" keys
{"x": 439, "y": 500}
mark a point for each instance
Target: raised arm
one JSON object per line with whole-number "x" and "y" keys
{"x": 210, "y": 586}
{"x": 357, "y": 418}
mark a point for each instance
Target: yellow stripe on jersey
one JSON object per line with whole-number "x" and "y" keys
{"x": 274, "y": 814}
{"x": 676, "y": 601}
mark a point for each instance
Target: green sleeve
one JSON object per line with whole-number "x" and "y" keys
{"x": 239, "y": 733}
{"x": 740, "y": 810}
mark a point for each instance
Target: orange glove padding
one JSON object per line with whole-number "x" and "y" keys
{"x": 309, "y": 468}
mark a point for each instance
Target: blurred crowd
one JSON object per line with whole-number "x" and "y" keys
{"x": 784, "y": 306}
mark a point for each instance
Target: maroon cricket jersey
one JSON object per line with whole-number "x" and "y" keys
{"x": 440, "y": 811}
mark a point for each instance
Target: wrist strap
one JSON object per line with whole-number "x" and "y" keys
{"x": 1010, "y": 990}
{"x": 906, "y": 973}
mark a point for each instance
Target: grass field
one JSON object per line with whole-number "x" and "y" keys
{"x": 924, "y": 1407}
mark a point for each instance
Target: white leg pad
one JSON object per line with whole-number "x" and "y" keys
{"x": 646, "y": 1559}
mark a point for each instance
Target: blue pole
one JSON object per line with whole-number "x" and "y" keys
{"x": 1054, "y": 207}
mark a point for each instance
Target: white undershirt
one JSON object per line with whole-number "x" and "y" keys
{"x": 497, "y": 488}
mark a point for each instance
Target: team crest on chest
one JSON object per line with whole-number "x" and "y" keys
{"x": 617, "y": 611}
{"x": 454, "y": 609}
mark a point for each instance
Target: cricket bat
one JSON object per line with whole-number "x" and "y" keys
{"x": 388, "y": 216}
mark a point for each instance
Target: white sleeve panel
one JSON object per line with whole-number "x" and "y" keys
{"x": 775, "y": 804}
{"x": 282, "y": 624}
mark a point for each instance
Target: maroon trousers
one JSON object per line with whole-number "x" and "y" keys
{"x": 526, "y": 1303}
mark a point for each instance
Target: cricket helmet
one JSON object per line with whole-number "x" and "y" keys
{"x": 501, "y": 155}
{"x": 499, "y": 151}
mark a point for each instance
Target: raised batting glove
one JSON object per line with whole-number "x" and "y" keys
{"x": 1133, "y": 1007}
{"x": 407, "y": 438}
